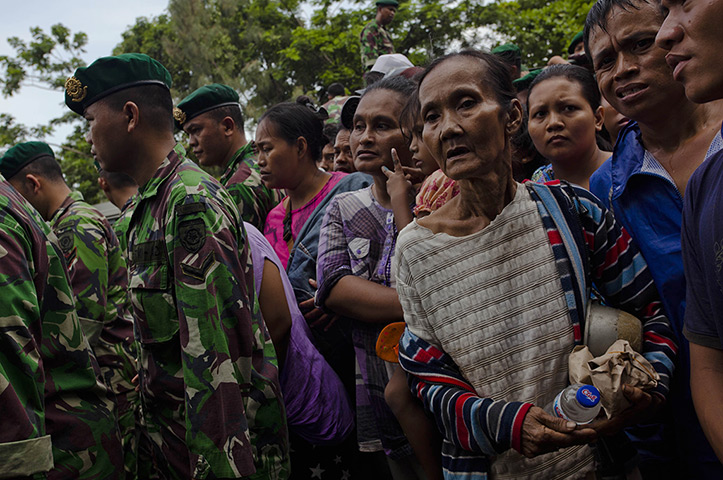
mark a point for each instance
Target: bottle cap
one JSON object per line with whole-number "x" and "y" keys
{"x": 588, "y": 396}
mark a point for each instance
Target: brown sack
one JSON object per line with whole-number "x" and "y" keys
{"x": 609, "y": 372}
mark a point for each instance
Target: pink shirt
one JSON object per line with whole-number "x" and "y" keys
{"x": 274, "y": 228}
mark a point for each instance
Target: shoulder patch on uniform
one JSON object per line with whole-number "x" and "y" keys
{"x": 66, "y": 240}
{"x": 192, "y": 234}
{"x": 148, "y": 252}
{"x": 190, "y": 208}
{"x": 199, "y": 273}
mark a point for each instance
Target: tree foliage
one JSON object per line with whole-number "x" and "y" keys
{"x": 541, "y": 28}
{"x": 272, "y": 50}
{"x": 46, "y": 61}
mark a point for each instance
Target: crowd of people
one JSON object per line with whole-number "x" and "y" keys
{"x": 386, "y": 286}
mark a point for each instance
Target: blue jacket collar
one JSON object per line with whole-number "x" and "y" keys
{"x": 627, "y": 159}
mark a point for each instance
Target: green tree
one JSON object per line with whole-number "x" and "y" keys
{"x": 46, "y": 61}
{"x": 10, "y": 131}
{"x": 267, "y": 51}
{"x": 541, "y": 28}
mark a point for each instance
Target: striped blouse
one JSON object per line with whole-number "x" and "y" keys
{"x": 589, "y": 246}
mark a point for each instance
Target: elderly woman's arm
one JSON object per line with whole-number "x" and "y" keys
{"x": 468, "y": 421}
{"x": 621, "y": 275}
{"x": 477, "y": 424}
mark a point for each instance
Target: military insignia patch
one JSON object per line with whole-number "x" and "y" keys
{"x": 192, "y": 234}
{"x": 199, "y": 273}
{"x": 179, "y": 116}
{"x": 75, "y": 89}
{"x": 65, "y": 240}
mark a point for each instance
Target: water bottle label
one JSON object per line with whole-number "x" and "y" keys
{"x": 558, "y": 408}
{"x": 591, "y": 396}
{"x": 588, "y": 396}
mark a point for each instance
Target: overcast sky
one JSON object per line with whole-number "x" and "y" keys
{"x": 103, "y": 21}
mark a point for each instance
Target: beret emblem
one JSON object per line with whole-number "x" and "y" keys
{"x": 75, "y": 90}
{"x": 179, "y": 115}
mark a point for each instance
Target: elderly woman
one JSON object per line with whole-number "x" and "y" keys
{"x": 494, "y": 286}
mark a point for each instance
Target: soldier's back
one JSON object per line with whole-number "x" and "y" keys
{"x": 78, "y": 412}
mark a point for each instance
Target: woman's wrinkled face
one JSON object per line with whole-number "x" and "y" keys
{"x": 465, "y": 127}
{"x": 277, "y": 159}
{"x": 376, "y": 131}
{"x": 562, "y": 124}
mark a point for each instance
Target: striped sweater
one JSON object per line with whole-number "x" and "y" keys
{"x": 589, "y": 247}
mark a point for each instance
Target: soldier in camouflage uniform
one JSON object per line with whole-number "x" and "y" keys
{"x": 337, "y": 97}
{"x": 49, "y": 379}
{"x": 96, "y": 267}
{"x": 212, "y": 118}
{"x": 208, "y": 373}
{"x": 374, "y": 38}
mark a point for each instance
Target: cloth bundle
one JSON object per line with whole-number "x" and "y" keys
{"x": 619, "y": 365}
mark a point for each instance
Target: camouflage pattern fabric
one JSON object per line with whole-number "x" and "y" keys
{"x": 375, "y": 41}
{"x": 120, "y": 226}
{"x": 210, "y": 394}
{"x": 243, "y": 181}
{"x": 99, "y": 280}
{"x": 333, "y": 108}
{"x": 46, "y": 357}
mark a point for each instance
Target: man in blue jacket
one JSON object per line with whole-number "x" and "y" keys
{"x": 643, "y": 183}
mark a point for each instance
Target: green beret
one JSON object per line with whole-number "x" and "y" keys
{"x": 523, "y": 83}
{"x": 202, "y": 100}
{"x": 108, "y": 75}
{"x": 575, "y": 40}
{"x": 20, "y": 155}
{"x": 391, "y": 3}
{"x": 508, "y": 50}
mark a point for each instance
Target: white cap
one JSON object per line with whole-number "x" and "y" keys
{"x": 390, "y": 61}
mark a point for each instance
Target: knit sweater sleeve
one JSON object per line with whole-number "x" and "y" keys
{"x": 621, "y": 275}
{"x": 473, "y": 423}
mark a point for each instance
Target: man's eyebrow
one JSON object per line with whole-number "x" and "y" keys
{"x": 605, "y": 51}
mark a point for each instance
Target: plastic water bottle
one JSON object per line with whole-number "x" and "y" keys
{"x": 578, "y": 403}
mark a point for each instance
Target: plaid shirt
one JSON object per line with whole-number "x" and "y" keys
{"x": 358, "y": 237}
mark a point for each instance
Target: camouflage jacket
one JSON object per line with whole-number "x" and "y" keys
{"x": 47, "y": 359}
{"x": 333, "y": 108}
{"x": 120, "y": 226}
{"x": 243, "y": 181}
{"x": 375, "y": 41}
{"x": 208, "y": 373}
{"x": 99, "y": 280}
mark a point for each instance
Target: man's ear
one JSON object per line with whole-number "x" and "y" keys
{"x": 229, "y": 126}
{"x": 132, "y": 115}
{"x": 33, "y": 182}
